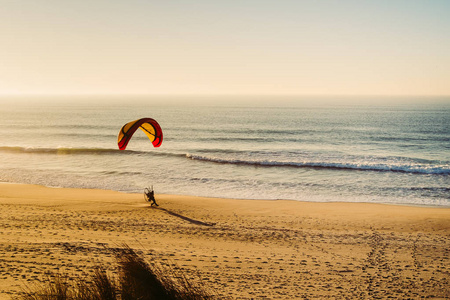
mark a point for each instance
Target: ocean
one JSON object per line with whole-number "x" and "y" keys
{"x": 377, "y": 150}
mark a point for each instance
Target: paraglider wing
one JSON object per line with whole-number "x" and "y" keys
{"x": 149, "y": 126}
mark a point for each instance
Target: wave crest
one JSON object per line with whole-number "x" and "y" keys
{"x": 415, "y": 169}
{"x": 61, "y": 150}
{"x": 83, "y": 151}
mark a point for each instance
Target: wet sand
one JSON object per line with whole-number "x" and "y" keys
{"x": 240, "y": 249}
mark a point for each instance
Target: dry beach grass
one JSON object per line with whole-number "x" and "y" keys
{"x": 239, "y": 249}
{"x": 137, "y": 279}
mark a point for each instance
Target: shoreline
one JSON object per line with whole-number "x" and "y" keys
{"x": 238, "y": 199}
{"x": 271, "y": 249}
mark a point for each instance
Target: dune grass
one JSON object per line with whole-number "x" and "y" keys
{"x": 137, "y": 279}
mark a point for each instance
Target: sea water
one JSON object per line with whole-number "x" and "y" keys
{"x": 377, "y": 150}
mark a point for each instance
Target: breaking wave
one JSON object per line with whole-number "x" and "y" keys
{"x": 404, "y": 168}
{"x": 61, "y": 150}
{"x": 83, "y": 151}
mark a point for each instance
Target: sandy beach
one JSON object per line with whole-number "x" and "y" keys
{"x": 239, "y": 249}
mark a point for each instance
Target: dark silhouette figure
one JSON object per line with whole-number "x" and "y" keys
{"x": 149, "y": 196}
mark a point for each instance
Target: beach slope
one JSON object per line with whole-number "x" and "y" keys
{"x": 237, "y": 248}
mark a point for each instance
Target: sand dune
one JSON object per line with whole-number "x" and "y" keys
{"x": 241, "y": 249}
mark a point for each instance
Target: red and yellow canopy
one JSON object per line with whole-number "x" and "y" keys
{"x": 148, "y": 125}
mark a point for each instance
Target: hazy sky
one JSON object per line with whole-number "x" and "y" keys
{"x": 390, "y": 47}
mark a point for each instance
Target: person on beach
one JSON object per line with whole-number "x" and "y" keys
{"x": 150, "y": 196}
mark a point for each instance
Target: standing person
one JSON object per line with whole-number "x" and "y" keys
{"x": 150, "y": 196}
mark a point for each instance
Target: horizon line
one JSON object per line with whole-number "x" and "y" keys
{"x": 214, "y": 95}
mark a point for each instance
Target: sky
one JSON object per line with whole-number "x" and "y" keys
{"x": 233, "y": 47}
